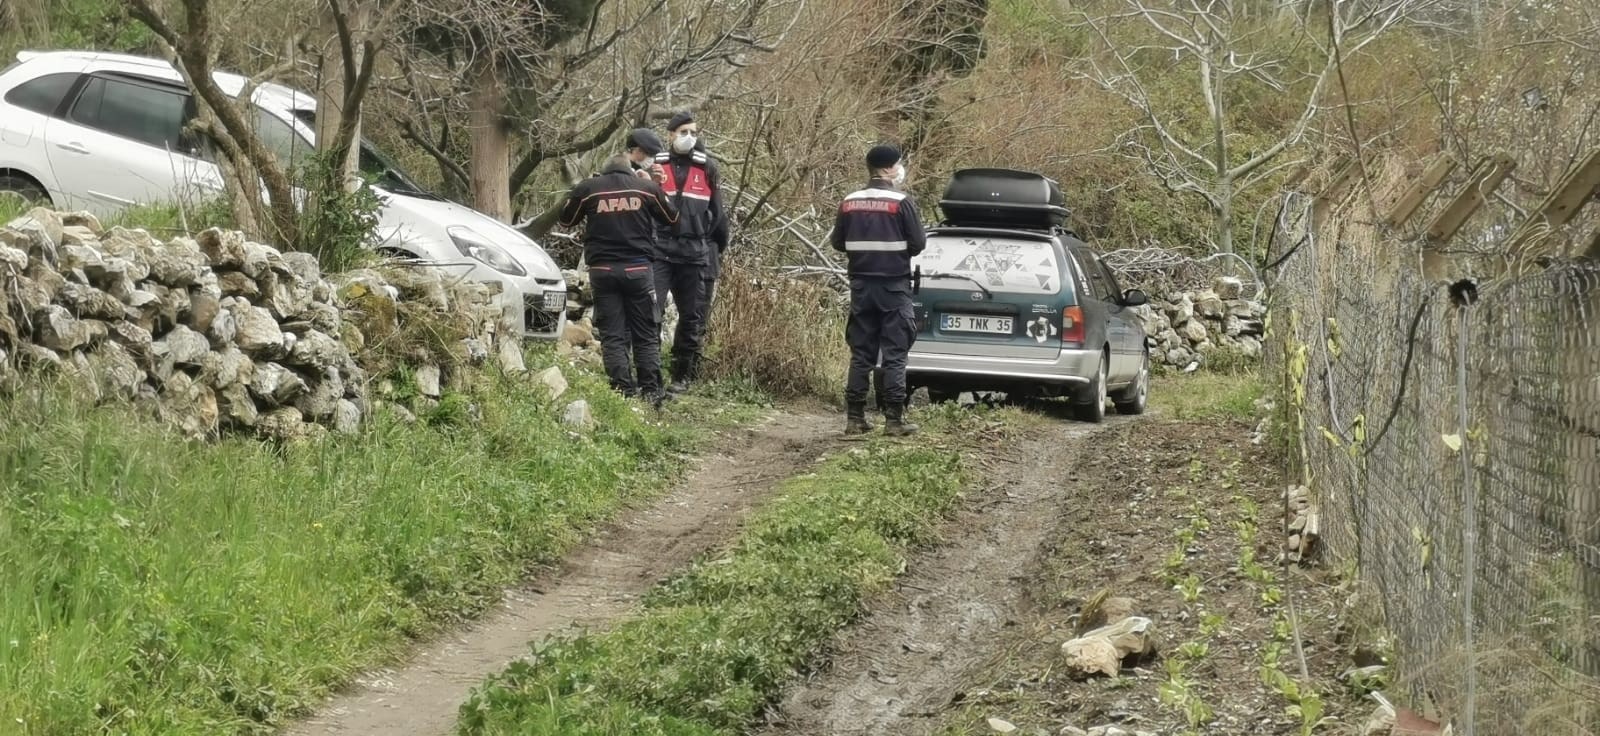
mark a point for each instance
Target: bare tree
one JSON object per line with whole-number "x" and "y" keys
{"x": 1223, "y": 43}
{"x": 566, "y": 75}
{"x": 248, "y": 164}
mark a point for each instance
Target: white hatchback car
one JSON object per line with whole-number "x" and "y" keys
{"x": 103, "y": 132}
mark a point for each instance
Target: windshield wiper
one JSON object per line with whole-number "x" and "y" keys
{"x": 942, "y": 275}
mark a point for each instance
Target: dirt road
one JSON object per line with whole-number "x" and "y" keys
{"x": 905, "y": 661}
{"x": 973, "y": 630}
{"x": 595, "y": 585}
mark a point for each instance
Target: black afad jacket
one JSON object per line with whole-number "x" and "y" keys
{"x": 622, "y": 211}
{"x": 879, "y": 230}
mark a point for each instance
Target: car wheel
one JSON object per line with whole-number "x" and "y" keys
{"x": 1133, "y": 399}
{"x": 942, "y": 396}
{"x": 30, "y": 192}
{"x": 1093, "y": 407}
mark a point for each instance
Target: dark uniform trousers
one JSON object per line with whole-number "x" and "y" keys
{"x": 688, "y": 284}
{"x": 881, "y": 321}
{"x": 629, "y": 320}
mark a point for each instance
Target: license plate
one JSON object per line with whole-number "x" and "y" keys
{"x": 976, "y": 323}
{"x": 555, "y": 301}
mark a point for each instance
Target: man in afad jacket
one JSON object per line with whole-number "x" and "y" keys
{"x": 687, "y": 251}
{"x": 622, "y": 211}
{"x": 879, "y": 231}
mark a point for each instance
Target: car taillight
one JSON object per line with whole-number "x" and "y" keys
{"x": 1072, "y": 327}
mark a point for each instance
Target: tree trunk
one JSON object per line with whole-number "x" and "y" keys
{"x": 1225, "y": 215}
{"x": 490, "y": 167}
{"x": 331, "y": 112}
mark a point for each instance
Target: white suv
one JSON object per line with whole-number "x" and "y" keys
{"x": 103, "y": 132}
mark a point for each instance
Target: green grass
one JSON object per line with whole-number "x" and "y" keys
{"x": 1206, "y": 396}
{"x": 156, "y": 586}
{"x": 163, "y": 221}
{"x": 713, "y": 646}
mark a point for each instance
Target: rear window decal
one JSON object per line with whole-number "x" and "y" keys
{"x": 1003, "y": 264}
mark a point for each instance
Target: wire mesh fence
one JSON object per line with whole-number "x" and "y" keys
{"x": 1451, "y": 437}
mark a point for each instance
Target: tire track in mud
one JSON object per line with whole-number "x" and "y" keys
{"x": 906, "y": 660}
{"x": 595, "y": 584}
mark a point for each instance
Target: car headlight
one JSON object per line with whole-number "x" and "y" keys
{"x": 479, "y": 248}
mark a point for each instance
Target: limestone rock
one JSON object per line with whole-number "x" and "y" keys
{"x": 228, "y": 367}
{"x": 15, "y": 259}
{"x": 235, "y": 283}
{"x": 58, "y": 330}
{"x": 554, "y": 383}
{"x": 346, "y": 417}
{"x": 321, "y": 399}
{"x": 133, "y": 338}
{"x": 185, "y": 346}
{"x": 236, "y": 405}
{"x": 427, "y": 378}
{"x": 40, "y": 231}
{"x": 1228, "y": 287}
{"x": 116, "y": 373}
{"x": 511, "y": 360}
{"x": 1180, "y": 311}
{"x": 578, "y": 416}
{"x": 189, "y": 405}
{"x": 257, "y": 332}
{"x": 275, "y": 384}
{"x": 178, "y": 263}
{"x": 1194, "y": 331}
{"x": 92, "y": 303}
{"x": 303, "y": 266}
{"x": 225, "y": 248}
{"x": 577, "y": 334}
{"x": 283, "y": 424}
{"x": 317, "y": 350}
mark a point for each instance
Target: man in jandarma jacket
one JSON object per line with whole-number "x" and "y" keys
{"x": 623, "y": 210}
{"x": 688, "y": 252}
{"x": 879, "y": 231}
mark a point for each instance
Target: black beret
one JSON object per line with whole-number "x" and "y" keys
{"x": 679, "y": 119}
{"x": 882, "y": 156}
{"x": 646, "y": 140}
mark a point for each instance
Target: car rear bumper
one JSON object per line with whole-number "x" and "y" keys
{"x": 1073, "y": 367}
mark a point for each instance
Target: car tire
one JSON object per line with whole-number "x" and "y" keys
{"x": 1092, "y": 408}
{"x": 30, "y": 192}
{"x": 942, "y": 396}
{"x": 1133, "y": 399}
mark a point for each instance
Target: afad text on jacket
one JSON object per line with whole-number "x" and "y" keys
{"x": 623, "y": 212}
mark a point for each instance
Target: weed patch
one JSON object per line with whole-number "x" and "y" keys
{"x": 155, "y": 586}
{"x": 1206, "y": 396}
{"x": 713, "y": 646}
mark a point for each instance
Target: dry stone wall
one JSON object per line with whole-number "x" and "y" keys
{"x": 1188, "y": 326}
{"x": 212, "y": 332}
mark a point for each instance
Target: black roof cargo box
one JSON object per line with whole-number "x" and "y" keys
{"x": 1003, "y": 198}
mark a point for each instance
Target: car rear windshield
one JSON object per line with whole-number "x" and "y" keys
{"x": 1001, "y": 264}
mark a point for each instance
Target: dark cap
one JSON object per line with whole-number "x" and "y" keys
{"x": 680, "y": 119}
{"x": 645, "y": 140}
{"x": 882, "y": 156}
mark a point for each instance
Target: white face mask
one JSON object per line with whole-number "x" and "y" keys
{"x": 899, "y": 174}
{"x": 684, "y": 143}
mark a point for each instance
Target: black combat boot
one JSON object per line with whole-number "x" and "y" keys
{"x": 856, "y": 418}
{"x": 684, "y": 373}
{"x": 897, "y": 426}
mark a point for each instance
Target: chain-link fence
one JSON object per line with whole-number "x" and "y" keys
{"x": 1451, "y": 437}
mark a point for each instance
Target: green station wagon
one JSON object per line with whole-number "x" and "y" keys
{"x": 1009, "y": 300}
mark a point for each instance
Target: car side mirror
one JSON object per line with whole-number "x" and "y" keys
{"x": 1134, "y": 298}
